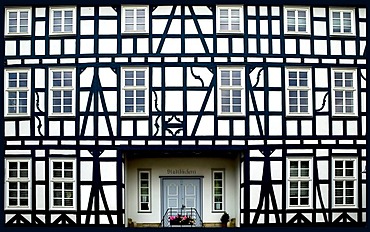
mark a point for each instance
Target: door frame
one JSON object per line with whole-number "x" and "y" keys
{"x": 200, "y": 178}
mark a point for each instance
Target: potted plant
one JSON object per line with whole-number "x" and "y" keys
{"x": 224, "y": 219}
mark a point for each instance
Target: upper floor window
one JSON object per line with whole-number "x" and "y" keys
{"x": 344, "y": 181}
{"x": 18, "y": 184}
{"x": 144, "y": 190}
{"x": 297, "y": 20}
{"x": 299, "y": 182}
{"x": 342, "y": 22}
{"x": 344, "y": 92}
{"x": 298, "y": 91}
{"x": 62, "y": 20}
{"x": 62, "y": 183}
{"x": 230, "y": 19}
{"x": 17, "y": 92}
{"x": 218, "y": 190}
{"x": 62, "y": 91}
{"x": 135, "y": 19}
{"x": 135, "y": 91}
{"x": 231, "y": 94}
{"x": 18, "y": 21}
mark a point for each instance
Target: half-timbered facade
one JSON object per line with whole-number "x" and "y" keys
{"x": 128, "y": 114}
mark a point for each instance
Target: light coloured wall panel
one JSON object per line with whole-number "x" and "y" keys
{"x": 10, "y": 48}
{"x": 40, "y": 170}
{"x": 25, "y": 47}
{"x": 40, "y": 196}
{"x": 239, "y": 128}
{"x": 253, "y": 125}
{"x": 256, "y": 170}
{"x": 306, "y": 127}
{"x": 107, "y": 27}
{"x": 24, "y": 128}
{"x": 276, "y": 174}
{"x": 223, "y": 128}
{"x": 320, "y": 47}
{"x": 107, "y": 46}
{"x": 275, "y": 125}
{"x": 9, "y": 128}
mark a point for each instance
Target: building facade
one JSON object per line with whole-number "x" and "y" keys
{"x": 129, "y": 114}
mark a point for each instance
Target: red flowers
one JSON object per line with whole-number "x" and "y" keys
{"x": 181, "y": 220}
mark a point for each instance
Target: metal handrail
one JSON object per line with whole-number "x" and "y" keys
{"x": 183, "y": 211}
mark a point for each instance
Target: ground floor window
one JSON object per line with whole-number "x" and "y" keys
{"x": 218, "y": 190}
{"x": 144, "y": 190}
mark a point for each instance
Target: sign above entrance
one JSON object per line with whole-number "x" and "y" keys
{"x": 181, "y": 171}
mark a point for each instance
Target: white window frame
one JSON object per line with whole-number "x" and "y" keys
{"x": 308, "y": 20}
{"x": 229, "y": 8}
{"x": 298, "y": 88}
{"x": 62, "y": 180}
{"x": 62, "y": 88}
{"x": 134, "y": 88}
{"x": 18, "y": 10}
{"x": 299, "y": 178}
{"x": 134, "y": 8}
{"x": 230, "y": 87}
{"x": 17, "y": 180}
{"x": 353, "y": 178}
{"x": 140, "y": 194}
{"x": 353, "y": 89}
{"x": 214, "y": 171}
{"x": 342, "y": 10}
{"x": 51, "y": 20}
{"x": 16, "y": 89}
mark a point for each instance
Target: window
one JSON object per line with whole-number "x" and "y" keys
{"x": 18, "y": 21}
{"x": 231, "y": 93}
{"x": 297, "y": 20}
{"x": 144, "y": 190}
{"x": 299, "y": 182}
{"x": 135, "y": 19}
{"x": 344, "y": 182}
{"x": 298, "y": 91}
{"x": 17, "y": 92}
{"x": 135, "y": 91}
{"x": 62, "y": 91}
{"x": 62, "y": 183}
{"x": 218, "y": 190}
{"x": 344, "y": 92}
{"x": 18, "y": 183}
{"x": 230, "y": 19}
{"x": 63, "y": 20}
{"x": 342, "y": 22}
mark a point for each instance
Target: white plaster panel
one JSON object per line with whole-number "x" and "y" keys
{"x": 107, "y": 46}
{"x": 54, "y": 128}
{"x": 323, "y": 167}
{"x": 107, "y": 78}
{"x": 306, "y": 127}
{"x": 209, "y": 42}
{"x": 275, "y": 101}
{"x": 87, "y": 11}
{"x": 275, "y": 11}
{"x": 363, "y": 187}
{"x": 107, "y": 11}
{"x": 39, "y": 78}
{"x": 108, "y": 171}
{"x": 350, "y": 47}
{"x": 190, "y": 27}
{"x": 252, "y": 45}
{"x": 290, "y": 46}
{"x": 86, "y": 78}
{"x": 194, "y": 45}
{"x": 162, "y": 10}
{"x": 253, "y": 125}
{"x": 238, "y": 45}
{"x": 142, "y": 128}
{"x": 319, "y": 12}
{"x": 276, "y": 173}
{"x": 40, "y": 197}
{"x": 103, "y": 126}
{"x": 40, "y": 28}
{"x": 322, "y": 127}
{"x": 222, "y": 45}
{"x": 175, "y": 27}
{"x": 274, "y": 77}
{"x": 305, "y": 46}
{"x": 206, "y": 126}
{"x": 85, "y": 191}
{"x": 9, "y": 128}
{"x": 362, "y": 47}
{"x": 206, "y": 26}
{"x": 322, "y": 152}
{"x": 259, "y": 96}
{"x": 159, "y": 26}
{"x": 89, "y": 125}
{"x": 127, "y": 128}
{"x": 69, "y": 128}
{"x": 202, "y": 10}
{"x": 196, "y": 98}
{"x": 264, "y": 27}
{"x": 107, "y": 27}
{"x": 292, "y": 127}
{"x": 352, "y": 127}
{"x": 239, "y": 128}
{"x": 320, "y": 96}
{"x": 24, "y": 128}
{"x": 40, "y": 12}
{"x": 276, "y": 46}
{"x": 251, "y": 10}
{"x": 362, "y": 29}
{"x": 321, "y": 77}
{"x": 127, "y": 46}
{"x": 142, "y": 45}
{"x": 10, "y": 48}
{"x": 335, "y": 47}
{"x": 263, "y": 10}
{"x": 337, "y": 128}
{"x": 87, "y": 27}
{"x": 264, "y": 46}
{"x": 223, "y": 127}
{"x": 171, "y": 45}
{"x": 174, "y": 101}
{"x": 86, "y": 170}
{"x": 254, "y": 196}
{"x": 362, "y": 12}
{"x": 69, "y": 46}
{"x": 55, "y": 47}
{"x": 252, "y": 26}
{"x": 319, "y": 28}
{"x": 325, "y": 196}
{"x": 256, "y": 170}
{"x": 40, "y": 170}
{"x": 86, "y": 46}
{"x": 275, "y": 27}
{"x": 174, "y": 76}
{"x": 42, "y": 119}
{"x": 363, "y": 102}
{"x": 363, "y": 125}
{"x": 320, "y": 47}
{"x": 275, "y": 123}
{"x": 25, "y": 47}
